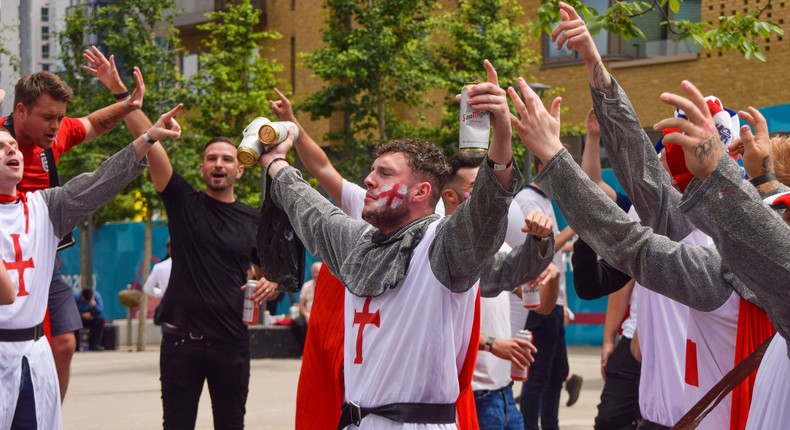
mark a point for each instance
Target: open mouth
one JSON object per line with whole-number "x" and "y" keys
{"x": 219, "y": 175}
{"x": 13, "y": 163}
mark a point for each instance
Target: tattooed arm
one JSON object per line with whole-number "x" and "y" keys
{"x": 573, "y": 31}
{"x": 755, "y": 150}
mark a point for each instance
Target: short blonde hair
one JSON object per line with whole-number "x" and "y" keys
{"x": 780, "y": 152}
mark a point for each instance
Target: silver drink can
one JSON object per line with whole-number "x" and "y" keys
{"x": 251, "y": 148}
{"x": 250, "y": 312}
{"x": 275, "y": 132}
{"x": 475, "y": 125}
{"x": 530, "y": 296}
{"x": 517, "y": 373}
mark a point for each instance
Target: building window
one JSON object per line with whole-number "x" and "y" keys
{"x": 44, "y": 14}
{"x": 659, "y": 42}
{"x": 45, "y": 51}
{"x": 45, "y": 33}
{"x": 45, "y": 67}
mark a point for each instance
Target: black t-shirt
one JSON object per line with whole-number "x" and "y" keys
{"x": 213, "y": 244}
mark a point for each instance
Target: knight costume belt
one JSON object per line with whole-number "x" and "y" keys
{"x": 419, "y": 413}
{"x": 170, "y": 329}
{"x": 22, "y": 334}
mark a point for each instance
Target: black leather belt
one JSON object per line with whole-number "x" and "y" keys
{"x": 419, "y": 413}
{"x": 168, "y": 328}
{"x": 649, "y": 425}
{"x": 22, "y": 334}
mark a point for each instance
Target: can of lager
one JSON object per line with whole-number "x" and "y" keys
{"x": 251, "y": 148}
{"x": 275, "y": 132}
{"x": 518, "y": 373}
{"x": 251, "y": 310}
{"x": 530, "y": 296}
{"x": 475, "y": 127}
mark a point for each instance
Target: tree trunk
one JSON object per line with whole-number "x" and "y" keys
{"x": 143, "y": 316}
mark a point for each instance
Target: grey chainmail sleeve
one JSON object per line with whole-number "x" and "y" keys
{"x": 752, "y": 239}
{"x": 326, "y": 231}
{"x": 474, "y": 232}
{"x": 87, "y": 192}
{"x": 637, "y": 167}
{"x": 692, "y": 275}
{"x": 507, "y": 270}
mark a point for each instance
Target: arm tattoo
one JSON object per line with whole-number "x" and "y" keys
{"x": 767, "y": 164}
{"x": 603, "y": 80}
{"x": 110, "y": 121}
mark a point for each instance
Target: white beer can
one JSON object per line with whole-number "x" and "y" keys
{"x": 518, "y": 373}
{"x": 251, "y": 309}
{"x": 475, "y": 127}
{"x": 275, "y": 132}
{"x": 530, "y": 296}
{"x": 251, "y": 148}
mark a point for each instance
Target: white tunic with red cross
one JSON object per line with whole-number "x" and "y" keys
{"x": 770, "y": 407}
{"x": 29, "y": 258}
{"x": 408, "y": 344}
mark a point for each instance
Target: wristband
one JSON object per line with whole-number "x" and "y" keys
{"x": 489, "y": 344}
{"x": 122, "y": 95}
{"x": 763, "y": 179}
{"x": 148, "y": 139}
{"x": 276, "y": 159}
{"x": 126, "y": 105}
{"x": 496, "y": 166}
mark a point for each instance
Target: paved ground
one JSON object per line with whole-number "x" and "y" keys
{"x": 120, "y": 390}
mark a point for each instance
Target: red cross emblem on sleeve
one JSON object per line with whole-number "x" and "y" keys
{"x": 364, "y": 318}
{"x": 19, "y": 264}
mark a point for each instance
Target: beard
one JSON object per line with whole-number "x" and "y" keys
{"x": 214, "y": 185}
{"x": 385, "y": 218}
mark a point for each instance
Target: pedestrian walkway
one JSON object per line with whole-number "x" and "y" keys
{"x": 120, "y": 390}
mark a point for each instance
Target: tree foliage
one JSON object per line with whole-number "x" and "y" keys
{"x": 234, "y": 83}
{"x": 376, "y": 59}
{"x": 739, "y": 32}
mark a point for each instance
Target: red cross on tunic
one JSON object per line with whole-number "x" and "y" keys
{"x": 364, "y": 318}
{"x": 19, "y": 265}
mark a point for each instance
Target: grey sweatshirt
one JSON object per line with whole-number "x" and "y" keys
{"x": 88, "y": 192}
{"x": 463, "y": 243}
{"x": 752, "y": 239}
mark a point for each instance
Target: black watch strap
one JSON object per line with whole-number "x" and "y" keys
{"x": 496, "y": 166}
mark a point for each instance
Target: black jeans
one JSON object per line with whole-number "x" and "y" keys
{"x": 185, "y": 364}
{"x": 619, "y": 407}
{"x": 25, "y": 414}
{"x": 540, "y": 394}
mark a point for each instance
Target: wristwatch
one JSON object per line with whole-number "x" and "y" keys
{"x": 148, "y": 139}
{"x": 489, "y": 344}
{"x": 496, "y": 166}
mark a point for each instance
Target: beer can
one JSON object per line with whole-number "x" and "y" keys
{"x": 530, "y": 296}
{"x": 275, "y": 132}
{"x": 250, "y": 311}
{"x": 475, "y": 125}
{"x": 517, "y": 373}
{"x": 251, "y": 148}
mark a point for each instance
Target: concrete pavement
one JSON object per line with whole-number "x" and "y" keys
{"x": 120, "y": 390}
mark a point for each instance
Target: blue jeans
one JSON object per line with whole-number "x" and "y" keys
{"x": 496, "y": 410}
{"x": 540, "y": 394}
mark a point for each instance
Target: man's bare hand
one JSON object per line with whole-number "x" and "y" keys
{"x": 538, "y": 224}
{"x": 518, "y": 351}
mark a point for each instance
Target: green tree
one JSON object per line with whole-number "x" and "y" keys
{"x": 376, "y": 58}
{"x": 234, "y": 83}
{"x": 475, "y": 31}
{"x": 740, "y": 32}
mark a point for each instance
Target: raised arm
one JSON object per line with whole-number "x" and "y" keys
{"x": 630, "y": 151}
{"x": 311, "y": 154}
{"x": 105, "y": 119}
{"x": 591, "y": 156}
{"x": 89, "y": 191}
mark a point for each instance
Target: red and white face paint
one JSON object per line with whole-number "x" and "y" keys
{"x": 391, "y": 196}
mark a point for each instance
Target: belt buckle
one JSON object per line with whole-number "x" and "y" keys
{"x": 195, "y": 337}
{"x": 38, "y": 332}
{"x": 355, "y": 411}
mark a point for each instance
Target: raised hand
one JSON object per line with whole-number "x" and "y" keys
{"x": 135, "y": 101}
{"x": 488, "y": 96}
{"x": 755, "y": 149}
{"x": 573, "y": 33}
{"x": 282, "y": 108}
{"x": 593, "y": 128}
{"x": 166, "y": 125}
{"x": 698, "y": 136}
{"x": 278, "y": 151}
{"x": 538, "y": 129}
{"x": 103, "y": 69}
{"x": 537, "y": 224}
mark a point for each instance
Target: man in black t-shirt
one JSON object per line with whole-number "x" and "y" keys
{"x": 213, "y": 245}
